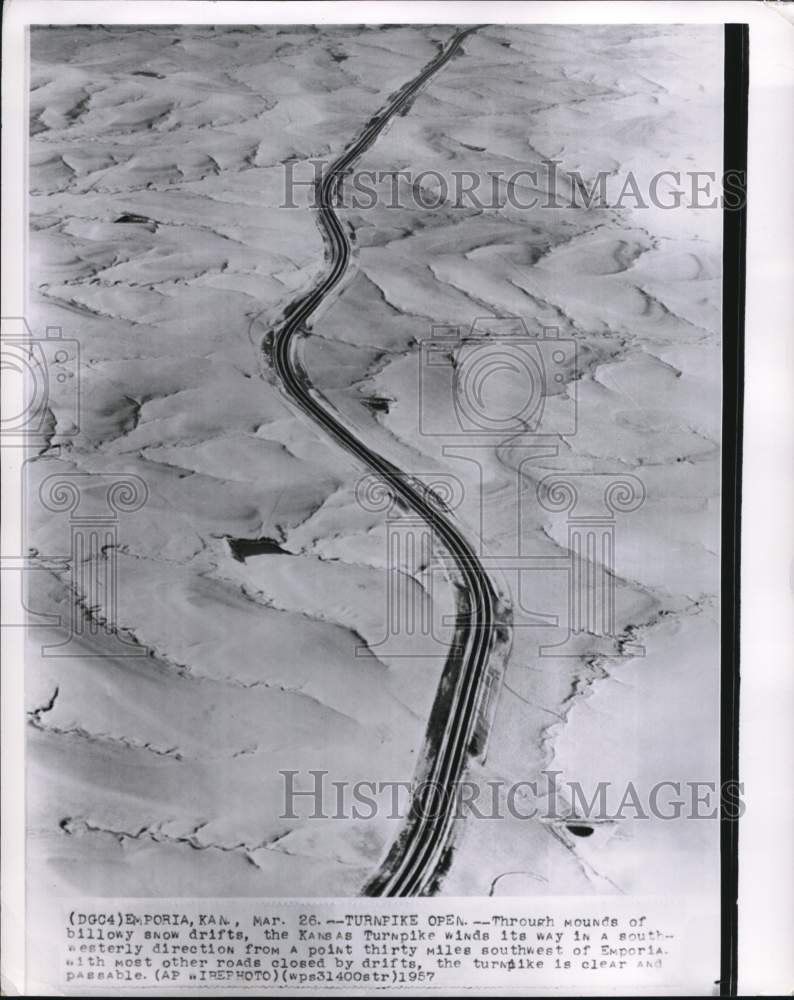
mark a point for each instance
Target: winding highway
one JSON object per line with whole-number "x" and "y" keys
{"x": 416, "y": 859}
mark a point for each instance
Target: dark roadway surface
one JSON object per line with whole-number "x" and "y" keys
{"x": 413, "y": 862}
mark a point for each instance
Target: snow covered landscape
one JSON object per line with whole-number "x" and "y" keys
{"x": 251, "y": 584}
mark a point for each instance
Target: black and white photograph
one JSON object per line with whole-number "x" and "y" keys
{"x": 372, "y": 571}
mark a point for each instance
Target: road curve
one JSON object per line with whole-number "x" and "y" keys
{"x": 413, "y": 863}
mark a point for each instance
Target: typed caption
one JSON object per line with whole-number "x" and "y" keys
{"x": 274, "y": 945}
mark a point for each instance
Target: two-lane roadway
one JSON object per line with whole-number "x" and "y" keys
{"x": 411, "y": 866}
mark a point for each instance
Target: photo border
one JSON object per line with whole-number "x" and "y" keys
{"x": 761, "y": 876}
{"x": 734, "y": 267}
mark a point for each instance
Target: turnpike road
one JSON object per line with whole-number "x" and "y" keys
{"x": 412, "y": 865}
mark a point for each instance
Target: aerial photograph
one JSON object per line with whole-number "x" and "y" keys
{"x": 372, "y": 503}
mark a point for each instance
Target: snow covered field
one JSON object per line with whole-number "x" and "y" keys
{"x": 159, "y": 240}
